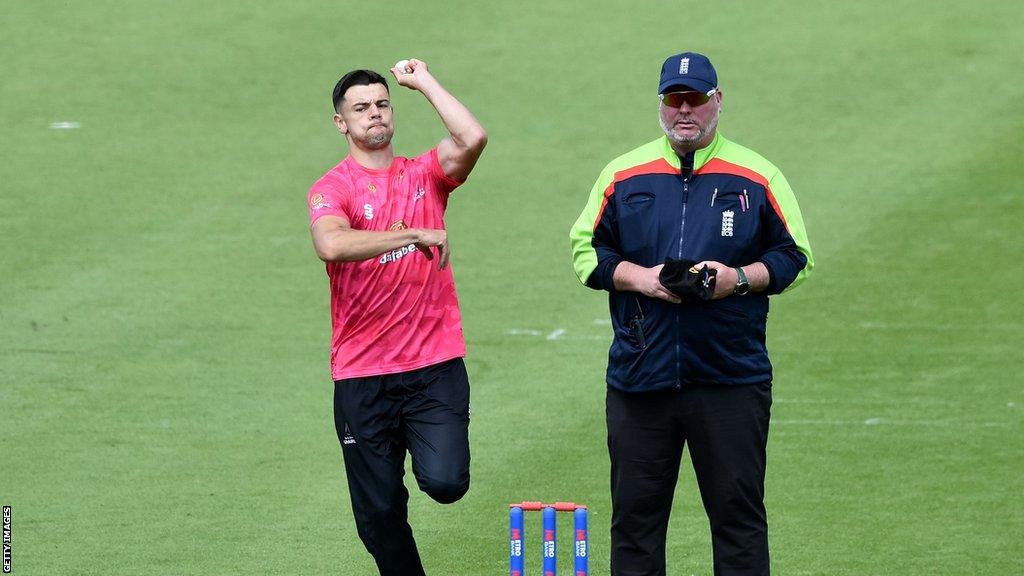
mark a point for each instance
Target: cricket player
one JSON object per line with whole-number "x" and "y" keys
{"x": 400, "y": 384}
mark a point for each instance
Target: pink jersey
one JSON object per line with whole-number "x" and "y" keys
{"x": 394, "y": 312}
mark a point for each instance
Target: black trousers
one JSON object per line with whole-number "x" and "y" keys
{"x": 727, "y": 432}
{"x": 378, "y": 419}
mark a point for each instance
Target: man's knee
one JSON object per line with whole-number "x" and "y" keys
{"x": 445, "y": 490}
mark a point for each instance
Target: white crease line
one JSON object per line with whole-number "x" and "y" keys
{"x": 64, "y": 125}
{"x": 556, "y": 334}
{"x": 939, "y": 327}
{"x": 866, "y": 402}
{"x": 603, "y": 322}
{"x": 884, "y": 422}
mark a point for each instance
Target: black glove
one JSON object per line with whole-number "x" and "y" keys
{"x": 684, "y": 279}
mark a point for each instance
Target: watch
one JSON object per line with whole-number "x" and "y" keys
{"x": 742, "y": 285}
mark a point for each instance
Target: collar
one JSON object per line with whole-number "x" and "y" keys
{"x": 694, "y": 160}
{"x": 354, "y": 164}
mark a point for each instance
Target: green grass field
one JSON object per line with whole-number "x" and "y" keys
{"x": 164, "y": 392}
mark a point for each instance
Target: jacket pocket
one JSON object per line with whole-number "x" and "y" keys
{"x": 733, "y": 217}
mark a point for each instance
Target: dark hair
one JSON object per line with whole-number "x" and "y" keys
{"x": 356, "y": 78}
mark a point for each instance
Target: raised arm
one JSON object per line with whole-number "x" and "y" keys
{"x": 335, "y": 241}
{"x": 458, "y": 152}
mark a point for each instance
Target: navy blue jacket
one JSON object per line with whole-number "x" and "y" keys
{"x": 724, "y": 203}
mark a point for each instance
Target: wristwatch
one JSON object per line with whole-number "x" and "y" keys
{"x": 742, "y": 286}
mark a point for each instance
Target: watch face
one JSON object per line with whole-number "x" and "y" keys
{"x": 742, "y": 284}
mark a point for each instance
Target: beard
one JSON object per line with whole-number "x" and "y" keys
{"x": 702, "y": 131}
{"x": 376, "y": 141}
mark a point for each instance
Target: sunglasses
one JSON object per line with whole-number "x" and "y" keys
{"x": 692, "y": 98}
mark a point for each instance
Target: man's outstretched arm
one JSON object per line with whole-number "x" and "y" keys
{"x": 458, "y": 152}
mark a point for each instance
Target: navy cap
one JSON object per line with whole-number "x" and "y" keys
{"x": 688, "y": 70}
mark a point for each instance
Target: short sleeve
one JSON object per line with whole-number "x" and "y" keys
{"x": 325, "y": 200}
{"x": 445, "y": 184}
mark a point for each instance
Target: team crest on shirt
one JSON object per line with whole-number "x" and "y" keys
{"x": 727, "y": 222}
{"x": 317, "y": 202}
{"x": 399, "y": 225}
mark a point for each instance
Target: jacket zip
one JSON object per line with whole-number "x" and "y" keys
{"x": 682, "y": 219}
{"x": 679, "y": 256}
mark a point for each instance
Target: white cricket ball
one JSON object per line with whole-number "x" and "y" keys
{"x": 403, "y": 66}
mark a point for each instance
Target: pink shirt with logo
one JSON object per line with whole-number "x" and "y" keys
{"x": 394, "y": 312}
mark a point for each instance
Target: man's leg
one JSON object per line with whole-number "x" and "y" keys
{"x": 727, "y": 431}
{"x": 366, "y": 415}
{"x": 645, "y": 444}
{"x": 436, "y": 417}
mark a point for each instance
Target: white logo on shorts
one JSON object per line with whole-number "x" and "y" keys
{"x": 727, "y": 222}
{"x": 368, "y": 211}
{"x": 684, "y": 66}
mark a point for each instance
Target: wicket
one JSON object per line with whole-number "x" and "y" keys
{"x": 550, "y": 548}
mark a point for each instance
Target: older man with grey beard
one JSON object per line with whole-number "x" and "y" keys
{"x": 688, "y": 363}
